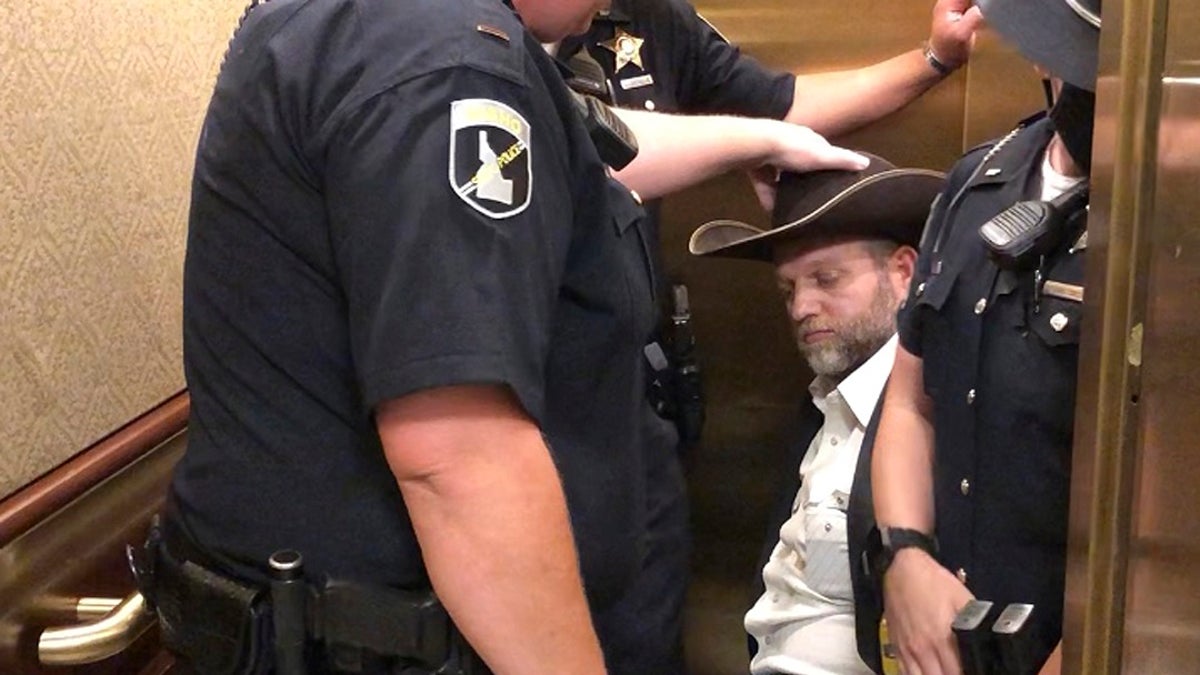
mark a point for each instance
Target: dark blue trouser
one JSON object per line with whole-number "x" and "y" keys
{"x": 642, "y": 633}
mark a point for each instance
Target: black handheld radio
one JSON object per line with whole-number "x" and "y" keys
{"x": 1027, "y": 230}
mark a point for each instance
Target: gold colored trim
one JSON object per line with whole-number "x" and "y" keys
{"x": 87, "y": 609}
{"x": 96, "y": 640}
{"x": 1128, "y": 102}
{"x": 1063, "y": 291}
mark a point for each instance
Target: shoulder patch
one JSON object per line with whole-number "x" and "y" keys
{"x": 491, "y": 160}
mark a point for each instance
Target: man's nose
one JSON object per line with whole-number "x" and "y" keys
{"x": 803, "y": 305}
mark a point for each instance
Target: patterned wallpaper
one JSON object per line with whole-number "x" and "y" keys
{"x": 100, "y": 105}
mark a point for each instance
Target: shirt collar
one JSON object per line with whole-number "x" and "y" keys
{"x": 862, "y": 388}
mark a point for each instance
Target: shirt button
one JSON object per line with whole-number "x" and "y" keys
{"x": 981, "y": 305}
{"x": 1058, "y": 322}
{"x": 961, "y": 575}
{"x": 833, "y": 441}
{"x": 965, "y": 487}
{"x": 828, "y": 527}
{"x": 649, "y": 105}
{"x": 970, "y": 397}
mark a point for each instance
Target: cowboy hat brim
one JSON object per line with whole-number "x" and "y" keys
{"x": 889, "y": 205}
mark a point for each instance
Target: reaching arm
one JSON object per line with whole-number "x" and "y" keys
{"x": 836, "y": 102}
{"x": 902, "y": 463}
{"x": 678, "y": 151}
{"x": 920, "y": 597}
{"x": 489, "y": 512}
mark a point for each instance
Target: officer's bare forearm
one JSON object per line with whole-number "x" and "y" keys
{"x": 488, "y": 509}
{"x": 679, "y": 151}
{"x": 837, "y": 102}
{"x": 902, "y": 458}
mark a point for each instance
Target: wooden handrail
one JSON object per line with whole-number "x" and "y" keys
{"x": 26, "y": 507}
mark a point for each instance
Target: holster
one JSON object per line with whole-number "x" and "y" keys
{"x": 216, "y": 624}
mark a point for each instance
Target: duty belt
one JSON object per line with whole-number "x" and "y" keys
{"x": 225, "y": 626}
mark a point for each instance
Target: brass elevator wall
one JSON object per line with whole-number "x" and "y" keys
{"x": 100, "y": 105}
{"x": 1161, "y": 629}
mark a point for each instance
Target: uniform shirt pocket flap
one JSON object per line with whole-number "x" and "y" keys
{"x": 1058, "y": 320}
{"x": 933, "y": 291}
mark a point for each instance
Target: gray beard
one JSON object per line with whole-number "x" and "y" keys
{"x": 855, "y": 341}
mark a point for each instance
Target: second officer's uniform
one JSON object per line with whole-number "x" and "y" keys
{"x": 1000, "y": 350}
{"x": 660, "y": 55}
{"x": 389, "y": 197}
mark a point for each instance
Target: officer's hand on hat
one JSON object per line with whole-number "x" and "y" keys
{"x": 952, "y": 33}
{"x": 765, "y": 179}
{"x": 799, "y": 149}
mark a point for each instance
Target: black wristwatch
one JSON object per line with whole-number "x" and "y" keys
{"x": 894, "y": 539}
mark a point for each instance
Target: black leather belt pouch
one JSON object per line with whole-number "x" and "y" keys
{"x": 216, "y": 624}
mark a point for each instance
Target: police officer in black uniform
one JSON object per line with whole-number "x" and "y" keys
{"x": 662, "y": 55}
{"x": 413, "y": 313}
{"x": 975, "y": 441}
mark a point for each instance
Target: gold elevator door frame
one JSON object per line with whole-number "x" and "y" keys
{"x": 1132, "y": 596}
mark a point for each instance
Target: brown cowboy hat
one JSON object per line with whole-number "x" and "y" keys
{"x": 878, "y": 202}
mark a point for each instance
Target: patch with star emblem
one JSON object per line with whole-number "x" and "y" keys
{"x": 491, "y": 163}
{"x": 626, "y": 48}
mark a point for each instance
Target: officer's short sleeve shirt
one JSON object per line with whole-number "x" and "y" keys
{"x": 665, "y": 56}
{"x": 389, "y": 197}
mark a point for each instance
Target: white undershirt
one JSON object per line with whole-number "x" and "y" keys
{"x": 1053, "y": 182}
{"x": 804, "y": 621}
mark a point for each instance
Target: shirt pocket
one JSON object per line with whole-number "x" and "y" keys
{"x": 827, "y": 563}
{"x": 1060, "y": 308}
{"x": 1057, "y": 321}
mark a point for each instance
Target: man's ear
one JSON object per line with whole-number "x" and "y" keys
{"x": 901, "y": 266}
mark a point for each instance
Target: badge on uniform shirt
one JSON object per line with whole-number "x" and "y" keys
{"x": 626, "y": 48}
{"x": 491, "y": 167}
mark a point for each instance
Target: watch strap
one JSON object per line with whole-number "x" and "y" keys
{"x": 894, "y": 539}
